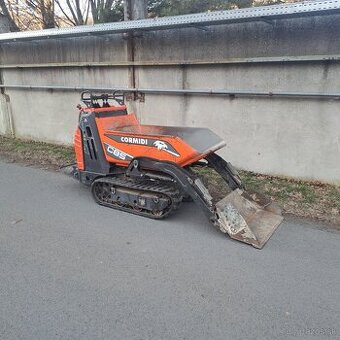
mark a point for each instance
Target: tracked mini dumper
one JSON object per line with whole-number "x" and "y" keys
{"x": 148, "y": 170}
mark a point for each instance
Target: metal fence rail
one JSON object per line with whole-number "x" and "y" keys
{"x": 167, "y": 63}
{"x": 201, "y": 92}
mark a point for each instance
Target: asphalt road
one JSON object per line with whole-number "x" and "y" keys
{"x": 70, "y": 269}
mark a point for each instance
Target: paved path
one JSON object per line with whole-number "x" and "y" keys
{"x": 70, "y": 269}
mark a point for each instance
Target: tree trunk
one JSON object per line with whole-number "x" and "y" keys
{"x": 135, "y": 9}
{"x": 12, "y": 25}
{"x": 47, "y": 13}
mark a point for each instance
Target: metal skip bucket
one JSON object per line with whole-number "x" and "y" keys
{"x": 248, "y": 217}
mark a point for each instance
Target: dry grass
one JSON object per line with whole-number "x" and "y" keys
{"x": 35, "y": 153}
{"x": 300, "y": 198}
{"x": 306, "y": 199}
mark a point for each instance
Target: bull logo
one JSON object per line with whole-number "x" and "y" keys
{"x": 163, "y": 146}
{"x": 160, "y": 145}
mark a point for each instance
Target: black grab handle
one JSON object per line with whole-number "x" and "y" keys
{"x": 94, "y": 100}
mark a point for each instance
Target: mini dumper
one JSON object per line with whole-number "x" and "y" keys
{"x": 148, "y": 170}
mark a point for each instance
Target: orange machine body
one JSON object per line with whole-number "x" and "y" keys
{"x": 148, "y": 170}
{"x": 123, "y": 138}
{"x": 78, "y": 149}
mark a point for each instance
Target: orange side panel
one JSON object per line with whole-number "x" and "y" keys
{"x": 78, "y": 149}
{"x": 117, "y": 122}
{"x": 184, "y": 156}
{"x": 125, "y": 126}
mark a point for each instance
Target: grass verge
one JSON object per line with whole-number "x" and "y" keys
{"x": 300, "y": 198}
{"x": 45, "y": 155}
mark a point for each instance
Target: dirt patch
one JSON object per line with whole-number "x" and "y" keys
{"x": 300, "y": 198}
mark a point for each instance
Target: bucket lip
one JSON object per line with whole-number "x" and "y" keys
{"x": 231, "y": 221}
{"x": 258, "y": 244}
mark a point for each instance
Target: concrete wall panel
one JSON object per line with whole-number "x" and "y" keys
{"x": 87, "y": 49}
{"x": 5, "y": 116}
{"x": 44, "y": 115}
{"x": 302, "y": 141}
{"x": 89, "y": 77}
{"x": 304, "y": 36}
{"x": 284, "y": 136}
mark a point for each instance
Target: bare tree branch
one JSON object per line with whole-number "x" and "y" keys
{"x": 65, "y": 14}
{"x": 79, "y": 13}
{"x": 72, "y": 11}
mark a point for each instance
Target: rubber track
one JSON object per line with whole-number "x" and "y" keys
{"x": 145, "y": 185}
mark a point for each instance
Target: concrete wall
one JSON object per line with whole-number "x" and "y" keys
{"x": 292, "y": 137}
